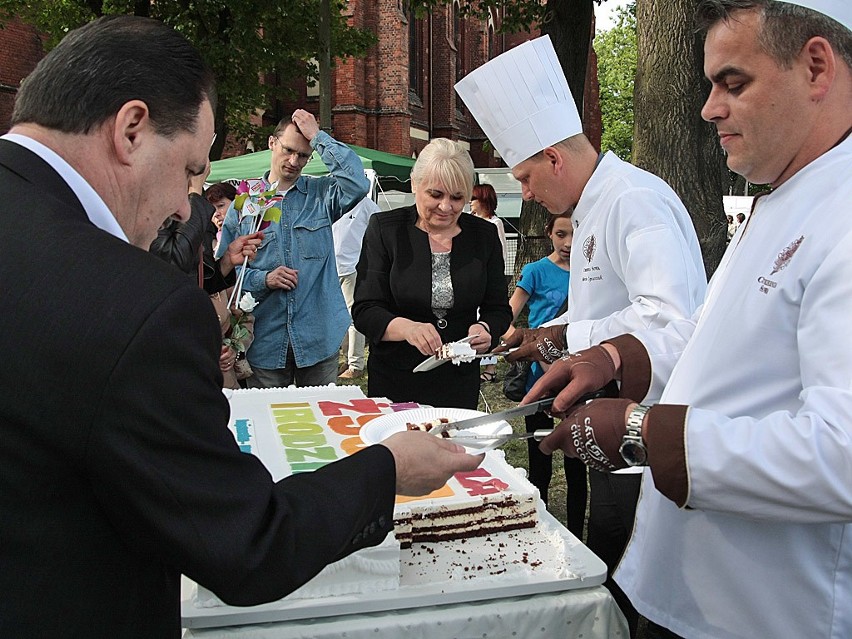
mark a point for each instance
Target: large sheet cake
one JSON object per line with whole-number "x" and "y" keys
{"x": 300, "y": 430}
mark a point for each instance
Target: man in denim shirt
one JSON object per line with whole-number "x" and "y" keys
{"x": 301, "y": 316}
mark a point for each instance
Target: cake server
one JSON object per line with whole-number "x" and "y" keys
{"x": 434, "y": 362}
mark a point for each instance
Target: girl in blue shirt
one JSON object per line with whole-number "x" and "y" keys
{"x": 543, "y": 286}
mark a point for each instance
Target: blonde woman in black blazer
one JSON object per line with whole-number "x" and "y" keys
{"x": 428, "y": 275}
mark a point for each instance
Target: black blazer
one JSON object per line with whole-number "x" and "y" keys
{"x": 117, "y": 470}
{"x": 395, "y": 279}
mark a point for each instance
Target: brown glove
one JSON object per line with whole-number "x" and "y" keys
{"x": 593, "y": 434}
{"x": 545, "y": 344}
{"x": 572, "y": 376}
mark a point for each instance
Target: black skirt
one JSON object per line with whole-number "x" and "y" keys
{"x": 447, "y": 386}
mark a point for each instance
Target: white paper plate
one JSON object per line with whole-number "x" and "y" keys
{"x": 433, "y": 362}
{"x": 386, "y": 425}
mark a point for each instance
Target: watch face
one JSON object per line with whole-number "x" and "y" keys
{"x": 634, "y": 453}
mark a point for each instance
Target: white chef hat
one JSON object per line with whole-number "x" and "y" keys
{"x": 840, "y": 10}
{"x": 522, "y": 101}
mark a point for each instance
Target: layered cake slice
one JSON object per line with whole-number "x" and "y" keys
{"x": 493, "y": 498}
{"x": 458, "y": 352}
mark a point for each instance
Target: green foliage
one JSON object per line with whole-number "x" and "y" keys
{"x": 242, "y": 40}
{"x": 616, "y": 51}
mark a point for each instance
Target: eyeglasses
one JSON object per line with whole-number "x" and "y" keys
{"x": 301, "y": 158}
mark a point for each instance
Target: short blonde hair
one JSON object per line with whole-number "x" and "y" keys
{"x": 446, "y": 162}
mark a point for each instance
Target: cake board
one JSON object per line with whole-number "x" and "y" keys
{"x": 585, "y": 570}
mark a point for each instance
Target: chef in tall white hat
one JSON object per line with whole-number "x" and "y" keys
{"x": 744, "y": 527}
{"x": 635, "y": 258}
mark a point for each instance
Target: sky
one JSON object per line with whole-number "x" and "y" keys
{"x": 605, "y": 14}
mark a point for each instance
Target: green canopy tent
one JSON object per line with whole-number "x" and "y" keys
{"x": 393, "y": 171}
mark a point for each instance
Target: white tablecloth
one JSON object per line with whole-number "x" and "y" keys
{"x": 590, "y": 613}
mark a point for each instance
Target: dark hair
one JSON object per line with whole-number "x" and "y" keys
{"x": 220, "y": 191}
{"x": 101, "y": 66}
{"x": 784, "y": 27}
{"x": 485, "y": 194}
{"x": 282, "y": 126}
{"x": 551, "y": 220}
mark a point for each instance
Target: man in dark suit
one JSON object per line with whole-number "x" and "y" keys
{"x": 117, "y": 471}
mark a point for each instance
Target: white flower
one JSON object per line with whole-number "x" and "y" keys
{"x": 247, "y": 303}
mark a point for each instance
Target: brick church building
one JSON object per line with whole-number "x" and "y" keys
{"x": 395, "y": 99}
{"x": 20, "y": 50}
{"x": 401, "y": 94}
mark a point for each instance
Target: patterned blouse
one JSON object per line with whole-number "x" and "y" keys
{"x": 442, "y": 284}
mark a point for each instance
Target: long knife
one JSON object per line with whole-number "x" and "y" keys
{"x": 511, "y": 413}
{"x": 537, "y": 435}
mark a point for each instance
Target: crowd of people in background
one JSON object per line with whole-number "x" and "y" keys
{"x": 734, "y": 222}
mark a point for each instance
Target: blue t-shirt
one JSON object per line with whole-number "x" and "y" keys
{"x": 547, "y": 285}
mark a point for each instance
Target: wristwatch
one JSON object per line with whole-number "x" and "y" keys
{"x": 632, "y": 447}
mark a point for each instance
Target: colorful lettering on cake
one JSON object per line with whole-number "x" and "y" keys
{"x": 350, "y": 425}
{"x": 305, "y": 445}
{"x": 243, "y": 430}
{"x": 300, "y": 428}
{"x": 480, "y": 482}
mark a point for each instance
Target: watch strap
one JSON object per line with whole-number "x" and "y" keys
{"x": 635, "y": 419}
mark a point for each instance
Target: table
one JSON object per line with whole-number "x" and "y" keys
{"x": 590, "y": 613}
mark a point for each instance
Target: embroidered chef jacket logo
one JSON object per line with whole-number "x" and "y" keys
{"x": 786, "y": 255}
{"x": 780, "y": 264}
{"x": 589, "y": 247}
{"x": 591, "y": 273}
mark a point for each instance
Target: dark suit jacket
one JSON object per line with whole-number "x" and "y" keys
{"x": 394, "y": 279}
{"x": 117, "y": 471}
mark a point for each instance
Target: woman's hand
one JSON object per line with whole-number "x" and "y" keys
{"x": 423, "y": 337}
{"x": 227, "y": 359}
{"x": 481, "y": 341}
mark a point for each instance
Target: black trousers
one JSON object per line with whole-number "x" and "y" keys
{"x": 612, "y": 510}
{"x": 541, "y": 470}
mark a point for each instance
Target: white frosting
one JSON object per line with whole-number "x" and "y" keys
{"x": 515, "y": 554}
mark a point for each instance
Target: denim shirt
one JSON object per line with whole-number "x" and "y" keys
{"x": 312, "y": 318}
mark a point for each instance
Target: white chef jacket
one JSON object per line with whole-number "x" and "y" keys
{"x": 767, "y": 373}
{"x": 635, "y": 259}
{"x": 348, "y": 232}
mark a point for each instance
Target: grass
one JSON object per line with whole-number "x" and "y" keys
{"x": 491, "y": 400}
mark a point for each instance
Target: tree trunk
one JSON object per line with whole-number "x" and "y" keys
{"x": 533, "y": 244}
{"x": 670, "y": 139}
{"x": 570, "y": 29}
{"x": 220, "y": 123}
